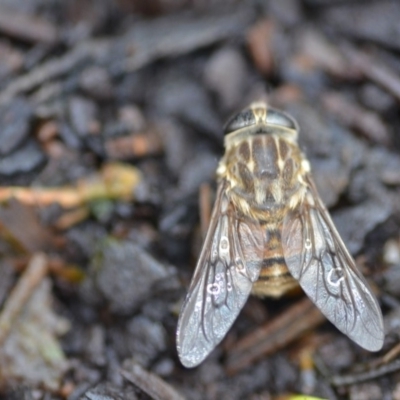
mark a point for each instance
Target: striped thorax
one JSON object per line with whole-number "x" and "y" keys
{"x": 265, "y": 171}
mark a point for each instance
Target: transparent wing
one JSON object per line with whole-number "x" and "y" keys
{"x": 317, "y": 257}
{"x": 229, "y": 264}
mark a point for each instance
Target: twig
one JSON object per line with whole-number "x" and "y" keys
{"x": 150, "y": 384}
{"x": 71, "y": 218}
{"x": 55, "y": 68}
{"x": 351, "y": 379}
{"x": 274, "y": 335}
{"x": 378, "y": 367}
{"x": 260, "y": 39}
{"x": 391, "y": 354}
{"x": 56, "y": 266}
{"x": 115, "y": 181}
{"x": 205, "y": 207}
{"x": 366, "y": 122}
{"x": 21, "y": 293}
{"x": 374, "y": 70}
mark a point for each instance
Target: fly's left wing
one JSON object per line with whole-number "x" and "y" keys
{"x": 229, "y": 264}
{"x": 317, "y": 257}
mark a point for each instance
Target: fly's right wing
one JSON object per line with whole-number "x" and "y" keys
{"x": 229, "y": 264}
{"x": 317, "y": 257}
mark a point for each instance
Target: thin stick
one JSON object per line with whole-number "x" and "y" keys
{"x": 374, "y": 70}
{"x": 36, "y": 271}
{"x": 205, "y": 208}
{"x": 274, "y": 335}
{"x": 351, "y": 379}
{"x": 150, "y": 384}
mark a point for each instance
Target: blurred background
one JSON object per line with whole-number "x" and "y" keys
{"x": 111, "y": 128}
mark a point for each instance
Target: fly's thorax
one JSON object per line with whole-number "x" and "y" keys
{"x": 265, "y": 173}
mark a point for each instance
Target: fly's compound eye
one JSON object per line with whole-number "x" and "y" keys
{"x": 242, "y": 120}
{"x": 279, "y": 118}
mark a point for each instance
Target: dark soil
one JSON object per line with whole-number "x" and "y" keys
{"x": 111, "y": 124}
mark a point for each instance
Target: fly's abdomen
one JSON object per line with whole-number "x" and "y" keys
{"x": 274, "y": 279}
